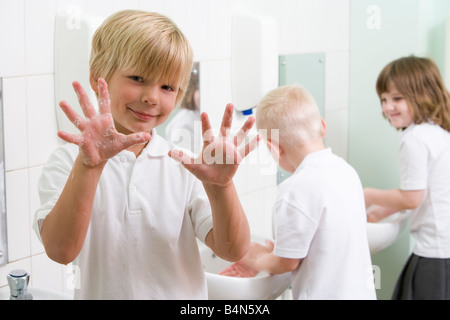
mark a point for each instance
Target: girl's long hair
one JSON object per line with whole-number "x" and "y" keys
{"x": 420, "y": 82}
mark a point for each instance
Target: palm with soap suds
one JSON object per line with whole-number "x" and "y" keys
{"x": 221, "y": 155}
{"x": 98, "y": 140}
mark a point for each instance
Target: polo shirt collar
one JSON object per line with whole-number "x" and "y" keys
{"x": 314, "y": 158}
{"x": 157, "y": 147}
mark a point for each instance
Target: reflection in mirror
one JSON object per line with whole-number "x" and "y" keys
{"x": 3, "y": 238}
{"x": 183, "y": 128}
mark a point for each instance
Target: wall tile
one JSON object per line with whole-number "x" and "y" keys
{"x": 337, "y": 131}
{"x": 15, "y": 123}
{"x": 152, "y": 5}
{"x": 101, "y": 8}
{"x": 12, "y": 35}
{"x": 176, "y": 10}
{"x": 17, "y": 213}
{"x": 24, "y": 264}
{"x": 125, "y": 4}
{"x": 215, "y": 90}
{"x": 73, "y": 6}
{"x": 197, "y": 26}
{"x": 34, "y": 174}
{"x": 39, "y": 35}
{"x": 258, "y": 207}
{"x": 219, "y": 30}
{"x": 46, "y": 273}
{"x": 42, "y": 127}
{"x": 337, "y": 80}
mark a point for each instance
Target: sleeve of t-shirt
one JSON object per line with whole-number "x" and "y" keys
{"x": 200, "y": 211}
{"x": 295, "y": 230}
{"x": 51, "y": 183}
{"x": 413, "y": 164}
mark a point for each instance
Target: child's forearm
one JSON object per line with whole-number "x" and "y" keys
{"x": 275, "y": 265}
{"x": 230, "y": 236}
{"x": 395, "y": 199}
{"x": 64, "y": 229}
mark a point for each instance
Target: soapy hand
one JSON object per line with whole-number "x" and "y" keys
{"x": 220, "y": 156}
{"x": 245, "y": 268}
{"x": 98, "y": 140}
{"x": 377, "y": 213}
{"x": 239, "y": 270}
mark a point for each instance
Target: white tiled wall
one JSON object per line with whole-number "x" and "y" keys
{"x": 26, "y": 65}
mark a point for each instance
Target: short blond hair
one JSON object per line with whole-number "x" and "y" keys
{"x": 146, "y": 43}
{"x": 293, "y": 111}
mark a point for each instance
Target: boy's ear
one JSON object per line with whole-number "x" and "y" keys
{"x": 324, "y": 128}
{"x": 275, "y": 149}
{"x": 281, "y": 152}
{"x": 94, "y": 84}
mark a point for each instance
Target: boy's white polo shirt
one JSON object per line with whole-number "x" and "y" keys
{"x": 147, "y": 212}
{"x": 321, "y": 219}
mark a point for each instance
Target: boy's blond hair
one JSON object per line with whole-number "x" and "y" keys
{"x": 291, "y": 110}
{"x": 147, "y": 44}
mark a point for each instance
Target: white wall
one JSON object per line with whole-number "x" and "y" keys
{"x": 26, "y": 65}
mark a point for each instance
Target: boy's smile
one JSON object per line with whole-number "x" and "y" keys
{"x": 141, "y": 115}
{"x": 137, "y": 104}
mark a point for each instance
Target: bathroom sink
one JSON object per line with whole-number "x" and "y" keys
{"x": 384, "y": 233}
{"x": 38, "y": 294}
{"x": 262, "y": 287}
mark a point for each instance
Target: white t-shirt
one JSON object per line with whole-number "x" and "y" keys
{"x": 141, "y": 242}
{"x": 424, "y": 164}
{"x": 321, "y": 218}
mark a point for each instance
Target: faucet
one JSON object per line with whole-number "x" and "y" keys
{"x": 18, "y": 284}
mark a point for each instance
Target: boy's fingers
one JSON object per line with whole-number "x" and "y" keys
{"x": 227, "y": 120}
{"x": 249, "y": 147}
{"x": 242, "y": 133}
{"x": 181, "y": 157}
{"x": 70, "y": 138}
{"x": 270, "y": 245}
{"x": 207, "y": 133}
{"x": 135, "y": 138}
{"x": 103, "y": 100}
{"x": 84, "y": 101}
{"x": 71, "y": 114}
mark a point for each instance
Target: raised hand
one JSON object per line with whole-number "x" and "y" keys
{"x": 98, "y": 140}
{"x": 220, "y": 156}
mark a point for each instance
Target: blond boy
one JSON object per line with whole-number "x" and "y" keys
{"x": 321, "y": 221}
{"x": 113, "y": 200}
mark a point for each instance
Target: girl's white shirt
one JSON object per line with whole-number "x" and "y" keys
{"x": 424, "y": 164}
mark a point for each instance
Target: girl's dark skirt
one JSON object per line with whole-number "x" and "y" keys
{"x": 424, "y": 279}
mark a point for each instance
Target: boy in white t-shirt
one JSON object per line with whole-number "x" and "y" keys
{"x": 114, "y": 201}
{"x": 320, "y": 213}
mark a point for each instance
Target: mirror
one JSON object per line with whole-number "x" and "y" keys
{"x": 3, "y": 236}
{"x": 183, "y": 127}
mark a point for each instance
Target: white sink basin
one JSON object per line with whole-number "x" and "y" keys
{"x": 384, "y": 233}
{"x": 38, "y": 294}
{"x": 261, "y": 287}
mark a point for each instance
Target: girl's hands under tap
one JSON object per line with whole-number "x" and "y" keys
{"x": 220, "y": 156}
{"x": 98, "y": 140}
